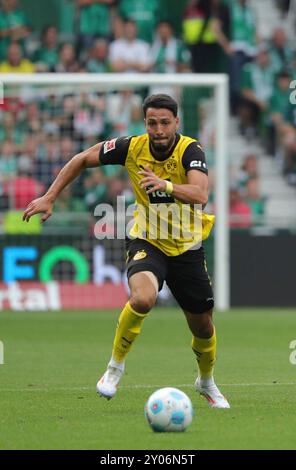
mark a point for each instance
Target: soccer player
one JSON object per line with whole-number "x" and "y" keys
{"x": 166, "y": 169}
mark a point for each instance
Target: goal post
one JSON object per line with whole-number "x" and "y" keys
{"x": 219, "y": 82}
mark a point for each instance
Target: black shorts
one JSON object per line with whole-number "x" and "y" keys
{"x": 186, "y": 274}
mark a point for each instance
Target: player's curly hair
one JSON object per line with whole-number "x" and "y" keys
{"x": 160, "y": 101}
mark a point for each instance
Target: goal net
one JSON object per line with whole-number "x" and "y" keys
{"x": 45, "y": 120}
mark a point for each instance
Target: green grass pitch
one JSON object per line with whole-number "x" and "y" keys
{"x": 53, "y": 360}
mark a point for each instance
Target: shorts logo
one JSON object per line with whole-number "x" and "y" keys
{"x": 109, "y": 145}
{"x": 140, "y": 255}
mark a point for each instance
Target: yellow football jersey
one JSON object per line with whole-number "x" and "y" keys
{"x": 162, "y": 220}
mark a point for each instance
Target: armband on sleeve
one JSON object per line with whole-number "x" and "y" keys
{"x": 114, "y": 151}
{"x": 194, "y": 158}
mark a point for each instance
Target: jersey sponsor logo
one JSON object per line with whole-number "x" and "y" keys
{"x": 140, "y": 255}
{"x": 109, "y": 145}
{"x": 158, "y": 197}
{"x": 197, "y": 164}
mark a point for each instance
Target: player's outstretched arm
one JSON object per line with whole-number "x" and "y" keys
{"x": 44, "y": 205}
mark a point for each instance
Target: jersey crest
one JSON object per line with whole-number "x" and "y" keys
{"x": 171, "y": 166}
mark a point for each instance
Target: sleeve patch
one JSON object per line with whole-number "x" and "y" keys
{"x": 114, "y": 151}
{"x": 197, "y": 164}
{"x": 194, "y": 158}
{"x": 109, "y": 145}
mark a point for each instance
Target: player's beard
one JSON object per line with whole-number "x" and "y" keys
{"x": 162, "y": 148}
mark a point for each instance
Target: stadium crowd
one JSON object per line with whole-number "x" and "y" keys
{"x": 37, "y": 135}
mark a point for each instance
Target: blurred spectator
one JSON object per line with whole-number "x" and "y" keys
{"x": 280, "y": 100}
{"x": 95, "y": 189}
{"x": 249, "y": 170}
{"x": 67, "y": 60}
{"x": 168, "y": 54}
{"x": 254, "y": 200}
{"x": 89, "y": 118}
{"x": 94, "y": 21}
{"x": 243, "y": 28}
{"x": 290, "y": 164}
{"x": 46, "y": 57}
{"x": 66, "y": 115}
{"x": 50, "y": 108}
{"x": 14, "y": 26}
{"x": 8, "y": 162}
{"x": 23, "y": 188}
{"x": 67, "y": 202}
{"x": 129, "y": 54}
{"x": 243, "y": 44}
{"x": 115, "y": 188}
{"x": 33, "y": 122}
{"x": 13, "y": 104}
{"x": 239, "y": 212}
{"x": 257, "y": 89}
{"x": 279, "y": 109}
{"x": 15, "y": 62}
{"x": 97, "y": 61}
{"x": 207, "y": 131}
{"x": 10, "y": 129}
{"x": 67, "y": 149}
{"x": 117, "y": 27}
{"x": 136, "y": 124}
{"x": 280, "y": 52}
{"x": 29, "y": 148}
{"x": 118, "y": 107}
{"x": 286, "y": 150}
{"x": 204, "y": 26}
{"x": 145, "y": 13}
{"x": 47, "y": 163}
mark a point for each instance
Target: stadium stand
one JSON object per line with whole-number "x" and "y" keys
{"x": 38, "y": 136}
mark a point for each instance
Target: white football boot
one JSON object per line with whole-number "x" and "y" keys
{"x": 212, "y": 394}
{"x": 108, "y": 383}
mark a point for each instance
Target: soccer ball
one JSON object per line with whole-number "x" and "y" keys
{"x": 169, "y": 410}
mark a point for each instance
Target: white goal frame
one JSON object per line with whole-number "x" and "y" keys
{"x": 220, "y": 84}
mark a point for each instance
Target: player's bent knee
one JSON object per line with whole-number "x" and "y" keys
{"x": 141, "y": 303}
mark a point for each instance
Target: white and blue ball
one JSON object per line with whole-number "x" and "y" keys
{"x": 169, "y": 410}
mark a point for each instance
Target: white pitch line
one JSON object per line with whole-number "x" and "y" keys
{"x": 85, "y": 389}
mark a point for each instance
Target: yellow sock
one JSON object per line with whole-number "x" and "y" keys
{"x": 128, "y": 328}
{"x": 205, "y": 351}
